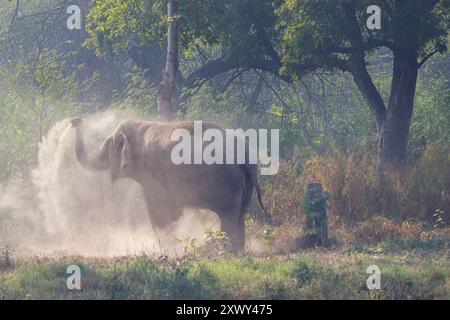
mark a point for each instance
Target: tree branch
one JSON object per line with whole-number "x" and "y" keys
{"x": 425, "y": 59}
{"x": 358, "y": 67}
{"x": 16, "y": 12}
{"x": 369, "y": 45}
{"x": 216, "y": 67}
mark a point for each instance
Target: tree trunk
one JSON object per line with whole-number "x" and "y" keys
{"x": 252, "y": 105}
{"x": 394, "y": 121}
{"x": 166, "y": 87}
{"x": 394, "y": 131}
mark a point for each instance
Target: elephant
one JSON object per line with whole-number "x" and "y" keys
{"x": 141, "y": 150}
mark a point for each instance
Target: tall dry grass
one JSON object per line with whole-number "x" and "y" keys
{"x": 359, "y": 191}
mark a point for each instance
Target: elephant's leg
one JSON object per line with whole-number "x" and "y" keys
{"x": 234, "y": 227}
{"x": 161, "y": 218}
{"x": 231, "y": 214}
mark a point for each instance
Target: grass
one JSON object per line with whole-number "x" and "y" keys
{"x": 414, "y": 261}
{"x": 336, "y": 274}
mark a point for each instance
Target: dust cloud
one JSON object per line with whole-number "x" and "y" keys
{"x": 65, "y": 209}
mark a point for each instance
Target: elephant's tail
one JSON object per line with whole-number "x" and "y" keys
{"x": 251, "y": 169}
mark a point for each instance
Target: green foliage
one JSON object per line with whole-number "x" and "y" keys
{"x": 138, "y": 96}
{"x": 214, "y": 22}
{"x": 111, "y": 22}
{"x": 307, "y": 276}
{"x": 317, "y": 34}
{"x": 33, "y": 98}
{"x": 310, "y": 121}
{"x": 431, "y": 119}
{"x": 216, "y": 244}
{"x": 145, "y": 279}
{"x": 305, "y": 272}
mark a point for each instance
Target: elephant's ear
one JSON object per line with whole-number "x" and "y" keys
{"x": 125, "y": 154}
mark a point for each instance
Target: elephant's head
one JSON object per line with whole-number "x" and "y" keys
{"x": 114, "y": 153}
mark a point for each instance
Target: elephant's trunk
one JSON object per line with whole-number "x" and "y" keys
{"x": 100, "y": 161}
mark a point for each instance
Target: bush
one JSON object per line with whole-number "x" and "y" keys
{"x": 359, "y": 192}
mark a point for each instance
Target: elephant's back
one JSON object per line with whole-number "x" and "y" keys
{"x": 159, "y": 135}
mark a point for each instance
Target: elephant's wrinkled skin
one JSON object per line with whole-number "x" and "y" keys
{"x": 141, "y": 150}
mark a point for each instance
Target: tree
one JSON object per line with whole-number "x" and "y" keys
{"x": 332, "y": 35}
{"x": 292, "y": 38}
